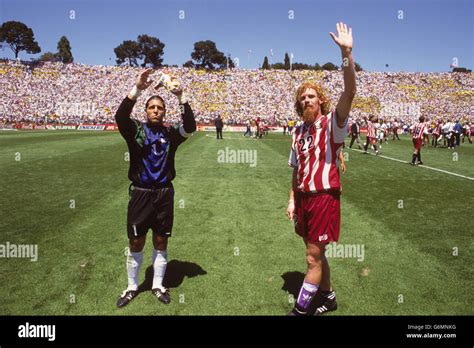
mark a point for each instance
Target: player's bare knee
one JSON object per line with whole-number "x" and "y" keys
{"x": 160, "y": 242}
{"x": 313, "y": 262}
{"x": 136, "y": 245}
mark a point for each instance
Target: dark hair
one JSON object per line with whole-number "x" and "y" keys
{"x": 155, "y": 97}
{"x": 421, "y": 119}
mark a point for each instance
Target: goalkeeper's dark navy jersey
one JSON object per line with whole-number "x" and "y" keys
{"x": 152, "y": 148}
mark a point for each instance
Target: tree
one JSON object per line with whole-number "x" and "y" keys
{"x": 128, "y": 50}
{"x": 151, "y": 49}
{"x": 329, "y": 66}
{"x": 286, "y": 64}
{"x": 230, "y": 62}
{"x": 64, "y": 50}
{"x": 48, "y": 57}
{"x": 188, "y": 64}
{"x": 280, "y": 66}
{"x": 265, "y": 64}
{"x": 19, "y": 38}
{"x": 462, "y": 70}
{"x": 207, "y": 56}
{"x": 317, "y": 67}
{"x": 303, "y": 66}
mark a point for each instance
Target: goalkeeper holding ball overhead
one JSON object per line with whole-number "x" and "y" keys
{"x": 152, "y": 148}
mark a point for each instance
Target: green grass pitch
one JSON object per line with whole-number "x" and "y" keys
{"x": 233, "y": 252}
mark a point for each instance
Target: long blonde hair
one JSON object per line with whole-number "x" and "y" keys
{"x": 321, "y": 96}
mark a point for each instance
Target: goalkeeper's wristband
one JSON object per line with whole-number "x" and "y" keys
{"x": 135, "y": 92}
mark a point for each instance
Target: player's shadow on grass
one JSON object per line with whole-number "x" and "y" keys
{"x": 175, "y": 272}
{"x": 292, "y": 284}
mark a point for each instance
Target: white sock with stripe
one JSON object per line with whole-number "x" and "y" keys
{"x": 134, "y": 261}
{"x": 160, "y": 260}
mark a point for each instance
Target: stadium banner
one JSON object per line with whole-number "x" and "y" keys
{"x": 202, "y": 128}
{"x": 111, "y": 127}
{"x": 25, "y": 126}
{"x": 275, "y": 129}
{"x": 7, "y": 127}
{"x": 61, "y": 127}
{"x": 233, "y": 129}
{"x": 40, "y": 126}
{"x": 69, "y": 127}
{"x": 95, "y": 127}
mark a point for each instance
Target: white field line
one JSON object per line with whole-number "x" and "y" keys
{"x": 422, "y": 166}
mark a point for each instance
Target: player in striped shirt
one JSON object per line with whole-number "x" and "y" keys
{"x": 314, "y": 204}
{"x": 417, "y": 137}
{"x": 371, "y": 134}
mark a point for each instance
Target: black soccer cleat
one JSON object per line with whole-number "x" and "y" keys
{"x": 328, "y": 304}
{"x": 162, "y": 295}
{"x": 126, "y": 297}
{"x": 295, "y": 312}
{"x": 420, "y": 163}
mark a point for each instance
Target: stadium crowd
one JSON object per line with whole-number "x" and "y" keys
{"x": 56, "y": 93}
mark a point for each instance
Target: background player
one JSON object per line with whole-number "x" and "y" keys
{"x": 355, "y": 131}
{"x": 371, "y": 134}
{"x": 418, "y": 132}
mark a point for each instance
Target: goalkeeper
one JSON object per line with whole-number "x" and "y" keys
{"x": 152, "y": 148}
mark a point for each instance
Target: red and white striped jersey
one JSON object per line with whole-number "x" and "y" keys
{"x": 371, "y": 130}
{"x": 315, "y": 153}
{"x": 418, "y": 130}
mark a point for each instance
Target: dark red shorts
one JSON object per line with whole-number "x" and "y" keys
{"x": 417, "y": 143}
{"x": 318, "y": 216}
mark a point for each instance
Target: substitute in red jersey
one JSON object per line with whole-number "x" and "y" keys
{"x": 314, "y": 203}
{"x": 418, "y": 131}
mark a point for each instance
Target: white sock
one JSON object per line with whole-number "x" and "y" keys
{"x": 134, "y": 261}
{"x": 159, "y": 260}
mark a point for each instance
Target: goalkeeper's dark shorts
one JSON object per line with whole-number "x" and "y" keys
{"x": 150, "y": 208}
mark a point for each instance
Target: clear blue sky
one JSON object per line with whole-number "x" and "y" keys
{"x": 430, "y": 35}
